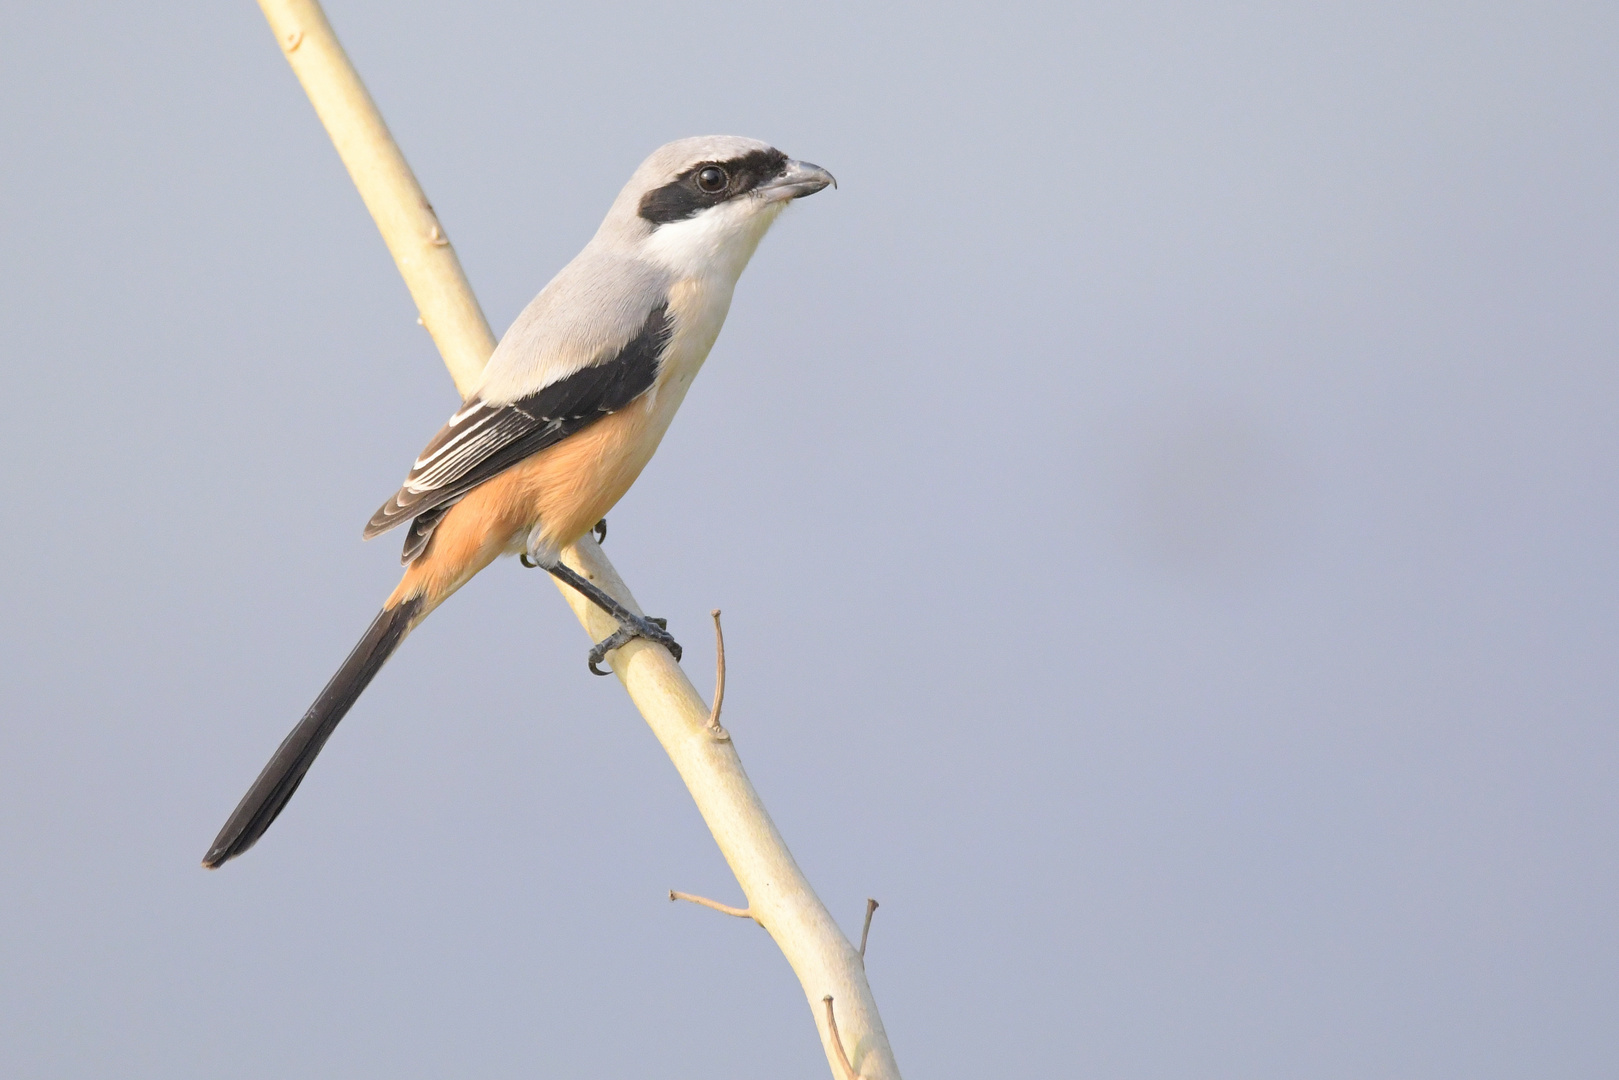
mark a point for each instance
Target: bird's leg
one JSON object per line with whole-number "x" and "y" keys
{"x": 630, "y": 625}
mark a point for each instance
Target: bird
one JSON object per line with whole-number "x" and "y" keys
{"x": 568, "y": 411}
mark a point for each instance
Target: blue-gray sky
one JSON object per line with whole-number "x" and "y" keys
{"x": 1163, "y": 505}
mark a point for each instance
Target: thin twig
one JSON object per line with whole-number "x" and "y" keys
{"x": 871, "y": 908}
{"x": 837, "y": 1041}
{"x": 739, "y": 912}
{"x": 719, "y": 681}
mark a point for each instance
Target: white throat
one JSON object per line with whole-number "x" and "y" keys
{"x": 716, "y": 244}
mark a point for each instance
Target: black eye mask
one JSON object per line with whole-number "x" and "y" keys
{"x": 685, "y": 197}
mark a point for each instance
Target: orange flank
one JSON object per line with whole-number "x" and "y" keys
{"x": 568, "y": 487}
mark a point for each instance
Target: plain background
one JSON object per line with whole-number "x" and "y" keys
{"x": 1163, "y": 505}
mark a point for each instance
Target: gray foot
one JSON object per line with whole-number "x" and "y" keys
{"x": 629, "y": 628}
{"x": 630, "y": 625}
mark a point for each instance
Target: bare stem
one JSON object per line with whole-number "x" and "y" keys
{"x": 719, "y": 679}
{"x": 739, "y": 912}
{"x": 837, "y": 1040}
{"x": 409, "y": 227}
{"x": 871, "y": 909}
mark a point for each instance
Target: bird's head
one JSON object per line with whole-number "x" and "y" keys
{"x": 700, "y": 206}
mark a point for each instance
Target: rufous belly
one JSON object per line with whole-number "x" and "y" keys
{"x": 565, "y": 489}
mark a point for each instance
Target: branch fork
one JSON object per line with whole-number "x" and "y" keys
{"x": 865, "y": 931}
{"x": 837, "y": 1040}
{"x": 714, "y": 729}
{"x": 739, "y": 912}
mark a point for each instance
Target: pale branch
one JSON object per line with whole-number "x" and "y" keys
{"x": 739, "y": 912}
{"x": 871, "y": 909}
{"x": 432, "y": 272}
{"x": 779, "y": 897}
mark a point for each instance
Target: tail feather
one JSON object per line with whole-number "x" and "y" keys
{"x": 286, "y": 769}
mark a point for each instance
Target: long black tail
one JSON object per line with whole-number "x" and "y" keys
{"x": 286, "y": 769}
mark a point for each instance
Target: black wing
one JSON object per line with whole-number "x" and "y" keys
{"x": 483, "y": 440}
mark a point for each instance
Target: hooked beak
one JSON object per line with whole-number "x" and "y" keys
{"x": 800, "y": 179}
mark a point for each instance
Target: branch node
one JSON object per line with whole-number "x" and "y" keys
{"x": 837, "y": 1041}
{"x": 294, "y": 39}
{"x": 714, "y": 729}
{"x": 871, "y": 908}
{"x": 437, "y": 237}
{"x": 739, "y": 912}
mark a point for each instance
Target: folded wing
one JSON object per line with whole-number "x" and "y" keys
{"x": 482, "y": 440}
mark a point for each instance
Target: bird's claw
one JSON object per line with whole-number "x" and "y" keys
{"x": 606, "y": 645}
{"x": 654, "y": 630}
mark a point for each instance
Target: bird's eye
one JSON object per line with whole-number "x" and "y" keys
{"x": 712, "y": 179}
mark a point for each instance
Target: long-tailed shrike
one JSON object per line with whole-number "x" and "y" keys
{"x": 565, "y": 416}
